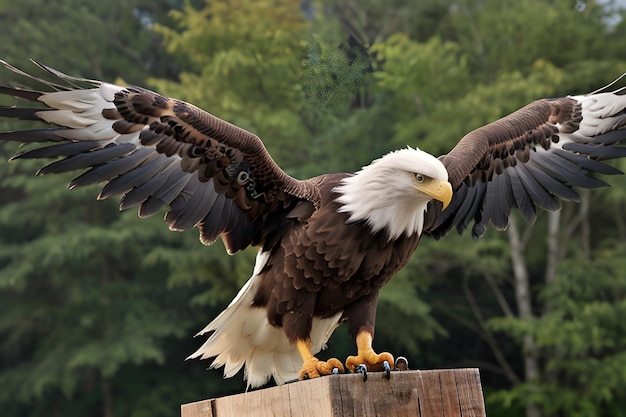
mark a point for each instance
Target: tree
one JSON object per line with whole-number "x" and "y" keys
{"x": 118, "y": 34}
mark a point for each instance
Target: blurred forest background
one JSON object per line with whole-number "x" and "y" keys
{"x": 98, "y": 308}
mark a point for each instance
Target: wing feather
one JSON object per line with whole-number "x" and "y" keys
{"x": 466, "y": 202}
{"x": 503, "y": 203}
{"x": 532, "y": 158}
{"x": 111, "y": 168}
{"x": 61, "y": 149}
{"x": 157, "y": 152}
{"x": 551, "y": 183}
{"x": 595, "y": 151}
{"x": 191, "y": 205}
{"x": 476, "y": 194}
{"x": 20, "y": 113}
{"x": 139, "y": 194}
{"x": 127, "y": 181}
{"x": 165, "y": 194}
{"x": 539, "y": 195}
{"x": 212, "y": 225}
{"x": 523, "y": 201}
{"x": 34, "y": 135}
{"x": 88, "y": 159}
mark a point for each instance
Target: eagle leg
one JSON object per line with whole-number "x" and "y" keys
{"x": 366, "y": 355}
{"x": 313, "y": 367}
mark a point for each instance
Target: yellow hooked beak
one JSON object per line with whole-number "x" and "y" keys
{"x": 437, "y": 189}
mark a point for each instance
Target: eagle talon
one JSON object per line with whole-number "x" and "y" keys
{"x": 362, "y": 368}
{"x": 387, "y": 369}
{"x": 402, "y": 364}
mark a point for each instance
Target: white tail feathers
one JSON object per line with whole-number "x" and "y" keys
{"x": 242, "y": 336}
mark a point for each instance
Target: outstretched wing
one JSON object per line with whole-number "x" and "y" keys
{"x": 531, "y": 158}
{"x": 156, "y": 152}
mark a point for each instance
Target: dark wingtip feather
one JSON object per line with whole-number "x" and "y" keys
{"x": 33, "y": 135}
{"x": 20, "y": 113}
{"x": 150, "y": 206}
{"x": 54, "y": 151}
{"x": 31, "y": 95}
{"x": 596, "y": 151}
{"x": 610, "y": 138}
{"x": 135, "y": 177}
{"x": 88, "y": 159}
{"x": 111, "y": 169}
{"x": 478, "y": 230}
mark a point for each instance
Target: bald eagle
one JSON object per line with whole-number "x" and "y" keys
{"x": 326, "y": 245}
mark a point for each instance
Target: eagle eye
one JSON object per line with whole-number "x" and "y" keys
{"x": 419, "y": 178}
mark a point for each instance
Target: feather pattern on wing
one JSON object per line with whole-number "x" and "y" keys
{"x": 157, "y": 152}
{"x": 531, "y": 158}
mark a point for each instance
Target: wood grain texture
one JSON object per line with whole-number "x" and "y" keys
{"x": 433, "y": 393}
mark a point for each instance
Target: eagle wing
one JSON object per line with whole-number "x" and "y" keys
{"x": 531, "y": 158}
{"x": 156, "y": 151}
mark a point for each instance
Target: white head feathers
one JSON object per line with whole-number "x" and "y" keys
{"x": 384, "y": 193}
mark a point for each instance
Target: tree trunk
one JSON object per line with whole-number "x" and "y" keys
{"x": 552, "y": 242}
{"x": 107, "y": 397}
{"x": 524, "y": 307}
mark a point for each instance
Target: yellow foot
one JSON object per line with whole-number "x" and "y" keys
{"x": 313, "y": 367}
{"x": 374, "y": 361}
{"x": 366, "y": 356}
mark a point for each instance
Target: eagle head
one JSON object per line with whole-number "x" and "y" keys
{"x": 393, "y": 192}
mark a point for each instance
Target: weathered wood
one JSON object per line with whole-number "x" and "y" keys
{"x": 436, "y": 393}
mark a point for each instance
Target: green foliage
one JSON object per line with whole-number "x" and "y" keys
{"x": 506, "y": 37}
{"x": 92, "y": 38}
{"x": 244, "y": 65}
{"x": 582, "y": 337}
{"x": 337, "y": 82}
{"x": 366, "y": 22}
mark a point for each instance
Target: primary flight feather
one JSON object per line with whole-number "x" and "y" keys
{"x": 326, "y": 245}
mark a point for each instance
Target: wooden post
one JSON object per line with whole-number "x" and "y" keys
{"x": 437, "y": 393}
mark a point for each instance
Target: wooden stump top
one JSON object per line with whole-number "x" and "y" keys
{"x": 435, "y": 393}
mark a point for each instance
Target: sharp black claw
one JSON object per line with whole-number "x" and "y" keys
{"x": 362, "y": 369}
{"x": 402, "y": 364}
{"x": 387, "y": 369}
